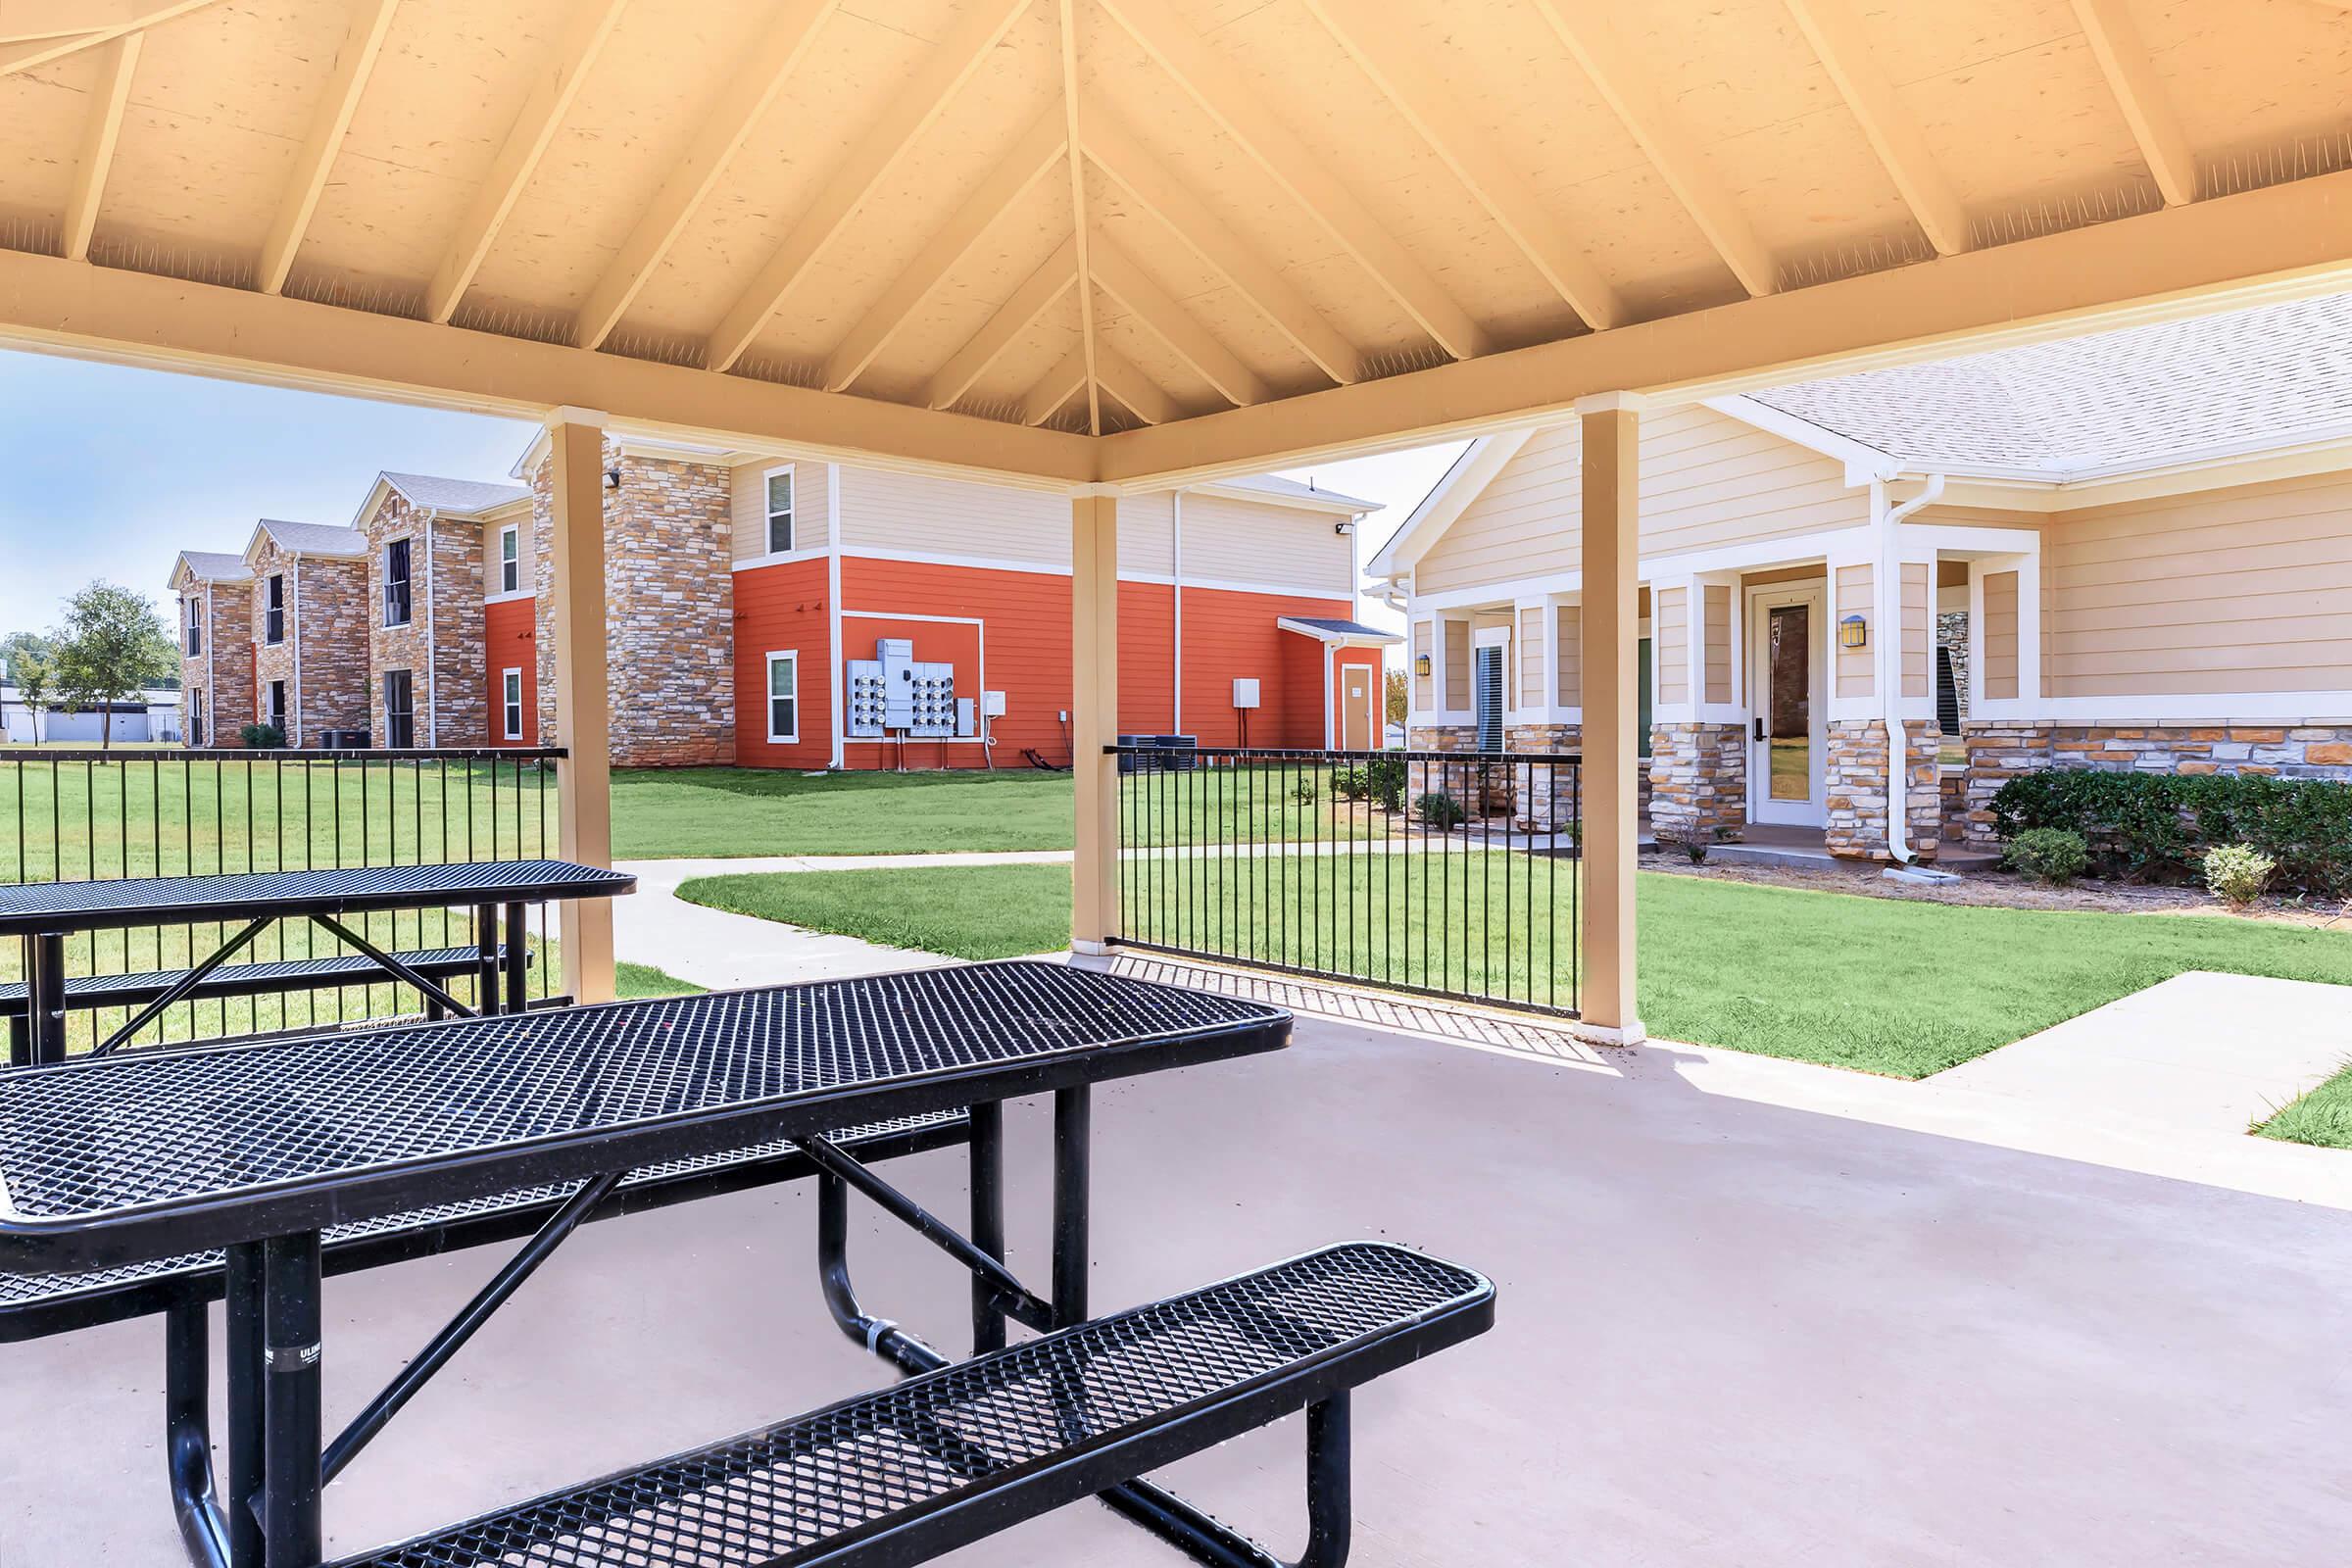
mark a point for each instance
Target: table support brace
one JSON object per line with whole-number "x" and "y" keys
{"x": 393, "y": 966}
{"x": 179, "y": 988}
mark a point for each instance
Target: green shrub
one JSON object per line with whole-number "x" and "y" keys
{"x": 263, "y": 737}
{"x": 2157, "y": 826}
{"x": 2053, "y": 854}
{"x": 1385, "y": 780}
{"x": 1350, "y": 783}
{"x": 2237, "y": 873}
{"x": 1440, "y": 810}
{"x": 1303, "y": 792}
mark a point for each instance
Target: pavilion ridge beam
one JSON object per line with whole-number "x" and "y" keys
{"x": 1137, "y": 392}
{"x": 1583, "y": 26}
{"x": 355, "y": 61}
{"x": 2132, "y": 75}
{"x": 553, "y": 89}
{"x": 1839, "y": 42}
{"x": 1057, "y": 387}
{"x": 910, "y": 107}
{"x": 1242, "y": 114}
{"x": 99, "y": 138}
{"x": 1054, "y": 278}
{"x": 1125, "y": 280}
{"x": 1386, "y": 54}
{"x": 1038, "y": 151}
{"x": 1080, "y": 229}
{"x": 1114, "y": 149}
{"x": 34, "y": 32}
{"x": 782, "y": 42}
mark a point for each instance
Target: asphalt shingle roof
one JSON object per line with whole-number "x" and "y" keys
{"x": 217, "y": 564}
{"x": 454, "y": 495}
{"x": 1339, "y": 626}
{"x": 2138, "y": 398}
{"x": 316, "y": 538}
{"x": 1274, "y": 484}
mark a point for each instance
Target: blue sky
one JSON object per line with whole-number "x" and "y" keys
{"x": 106, "y": 472}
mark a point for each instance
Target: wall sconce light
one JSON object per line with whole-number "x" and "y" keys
{"x": 1853, "y": 632}
{"x": 611, "y": 478}
{"x": 1420, "y": 664}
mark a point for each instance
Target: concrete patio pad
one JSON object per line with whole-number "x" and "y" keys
{"x": 1731, "y": 1331}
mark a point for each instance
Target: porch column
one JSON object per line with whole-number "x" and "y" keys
{"x": 1095, "y": 719}
{"x": 584, "y": 790}
{"x": 1610, "y": 429}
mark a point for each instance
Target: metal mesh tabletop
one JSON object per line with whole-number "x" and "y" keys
{"x": 985, "y": 1427}
{"x": 145, "y": 900}
{"x": 110, "y": 1161}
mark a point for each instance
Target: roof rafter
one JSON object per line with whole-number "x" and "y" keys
{"x": 912, "y": 107}
{"x": 776, "y": 48}
{"x": 362, "y": 42}
{"x": 555, "y": 84}
{"x": 99, "y": 137}
{"x": 1114, "y": 150}
{"x": 1238, "y": 109}
{"x": 1369, "y": 34}
{"x": 2131, "y": 76}
{"x": 1053, "y": 278}
{"x": 34, "y": 32}
{"x": 1584, "y": 28}
{"x": 1038, "y": 151}
{"x": 1838, "y": 42}
{"x": 1067, "y": 17}
{"x": 1135, "y": 392}
{"x": 1168, "y": 321}
{"x": 1055, "y": 389}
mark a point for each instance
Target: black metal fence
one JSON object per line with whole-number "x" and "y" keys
{"x": 73, "y": 814}
{"x": 1442, "y": 873}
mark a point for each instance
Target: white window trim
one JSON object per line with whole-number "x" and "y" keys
{"x": 767, "y": 698}
{"x": 286, "y": 612}
{"x": 767, "y": 516}
{"x": 385, "y": 557}
{"x": 511, "y": 531}
{"x": 510, "y": 712}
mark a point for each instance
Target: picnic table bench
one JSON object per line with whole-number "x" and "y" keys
{"x": 281, "y": 1151}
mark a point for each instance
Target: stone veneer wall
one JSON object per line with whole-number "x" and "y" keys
{"x": 1697, "y": 781}
{"x": 445, "y": 605}
{"x": 1543, "y": 799}
{"x": 330, "y": 623}
{"x": 224, "y": 669}
{"x": 1854, "y": 780}
{"x": 1999, "y": 751}
{"x": 670, "y": 610}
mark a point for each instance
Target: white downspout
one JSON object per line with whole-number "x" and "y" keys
{"x": 837, "y": 674}
{"x": 1176, "y": 572}
{"x": 212, "y": 688}
{"x": 294, "y": 636}
{"x": 1890, "y": 664}
{"x": 433, "y": 706}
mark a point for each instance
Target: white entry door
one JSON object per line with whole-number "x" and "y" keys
{"x": 1788, "y": 688}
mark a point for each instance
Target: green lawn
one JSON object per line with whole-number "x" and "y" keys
{"x": 1881, "y": 985}
{"x": 2322, "y": 1117}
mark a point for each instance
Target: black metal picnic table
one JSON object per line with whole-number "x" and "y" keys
{"x": 44, "y": 913}
{"x": 257, "y": 1147}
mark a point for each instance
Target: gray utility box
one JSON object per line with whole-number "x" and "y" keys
{"x": 894, "y": 694}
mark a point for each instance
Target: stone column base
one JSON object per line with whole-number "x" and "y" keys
{"x": 1854, "y": 778}
{"x": 1698, "y": 782}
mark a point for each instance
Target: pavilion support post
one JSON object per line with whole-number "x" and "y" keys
{"x": 1095, "y": 719}
{"x": 583, "y": 719}
{"x": 1611, "y": 430}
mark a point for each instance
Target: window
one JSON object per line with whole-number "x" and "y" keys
{"x": 1489, "y": 677}
{"x": 396, "y": 583}
{"x": 276, "y": 712}
{"x": 195, "y": 715}
{"x": 274, "y": 618}
{"x": 784, "y": 697}
{"x": 399, "y": 714}
{"x": 780, "y": 510}
{"x": 511, "y": 699}
{"x": 1643, "y": 680}
{"x": 509, "y": 558}
{"x": 195, "y": 628}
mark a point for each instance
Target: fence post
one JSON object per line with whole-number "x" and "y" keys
{"x": 584, "y": 781}
{"x": 1612, "y": 519}
{"x": 1095, "y": 719}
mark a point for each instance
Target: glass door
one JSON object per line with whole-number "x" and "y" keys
{"x": 1787, "y": 712}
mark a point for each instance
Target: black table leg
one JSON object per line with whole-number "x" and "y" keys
{"x": 1073, "y": 1169}
{"x": 988, "y": 1219}
{"x": 293, "y": 1439}
{"x": 245, "y": 1459}
{"x": 485, "y": 958}
{"x": 46, "y": 970}
{"x": 518, "y": 954}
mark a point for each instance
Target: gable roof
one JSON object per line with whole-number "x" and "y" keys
{"x": 208, "y": 566}
{"x": 309, "y": 539}
{"x": 454, "y": 495}
{"x": 1339, "y": 631}
{"x": 1274, "y": 487}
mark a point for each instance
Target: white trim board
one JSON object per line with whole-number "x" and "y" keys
{"x": 2268, "y": 709}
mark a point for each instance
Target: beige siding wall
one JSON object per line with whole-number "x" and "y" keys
{"x": 1250, "y": 542}
{"x": 1852, "y": 598}
{"x": 1568, "y": 622}
{"x": 1919, "y": 628}
{"x": 1531, "y": 657}
{"x": 2233, "y": 590}
{"x": 526, "y": 575}
{"x": 1999, "y": 639}
{"x": 1148, "y": 535}
{"x": 1672, "y": 630}
{"x": 1707, "y": 480}
{"x": 748, "y": 507}
{"x": 1717, "y": 600}
{"x": 1457, "y": 664}
{"x": 1425, "y": 646}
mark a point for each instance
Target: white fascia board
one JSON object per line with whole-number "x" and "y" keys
{"x": 1461, "y": 484}
{"x": 1328, "y": 501}
{"x": 1863, "y": 463}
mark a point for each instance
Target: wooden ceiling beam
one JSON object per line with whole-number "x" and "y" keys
{"x": 2131, "y": 76}
{"x": 1159, "y": 313}
{"x": 1055, "y": 389}
{"x": 1368, "y": 33}
{"x": 1137, "y": 392}
{"x": 34, "y": 32}
{"x": 99, "y": 136}
{"x": 1113, "y": 148}
{"x": 1242, "y": 113}
{"x": 354, "y": 61}
{"x": 780, "y": 44}
{"x": 554, "y": 86}
{"x": 1038, "y": 151}
{"x": 1583, "y": 26}
{"x": 910, "y": 108}
{"x": 1081, "y": 232}
{"x": 1839, "y": 43}
{"x": 1054, "y": 278}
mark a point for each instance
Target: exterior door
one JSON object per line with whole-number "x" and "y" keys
{"x": 1787, "y": 705}
{"x": 1355, "y": 708}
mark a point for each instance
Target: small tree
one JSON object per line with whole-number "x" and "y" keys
{"x": 1397, "y": 691}
{"x": 113, "y": 645}
{"x": 32, "y": 665}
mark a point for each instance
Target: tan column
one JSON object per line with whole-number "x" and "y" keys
{"x": 576, "y": 557}
{"x": 1095, "y": 718}
{"x": 1611, "y": 428}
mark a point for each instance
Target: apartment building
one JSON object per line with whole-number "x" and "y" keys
{"x": 434, "y": 548}
{"x": 215, "y": 593}
{"x": 309, "y": 632}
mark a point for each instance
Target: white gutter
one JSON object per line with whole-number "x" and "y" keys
{"x": 1176, "y": 572}
{"x": 1891, "y": 663}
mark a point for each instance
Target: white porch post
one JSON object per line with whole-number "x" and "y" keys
{"x": 1611, "y": 429}
{"x": 584, "y": 790}
{"x": 1095, "y": 719}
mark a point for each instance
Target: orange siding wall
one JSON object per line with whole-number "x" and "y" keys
{"x": 777, "y": 610}
{"x": 1228, "y": 634}
{"x": 1146, "y": 659}
{"x": 510, "y": 637}
{"x": 956, "y": 643}
{"x": 1026, "y": 617}
{"x": 1372, "y": 659}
